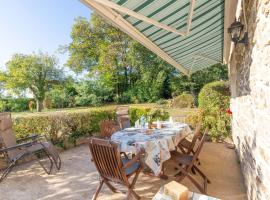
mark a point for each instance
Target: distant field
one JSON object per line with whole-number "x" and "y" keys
{"x": 172, "y": 111}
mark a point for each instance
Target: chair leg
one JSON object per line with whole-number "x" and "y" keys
{"x": 202, "y": 190}
{"x": 58, "y": 163}
{"x": 135, "y": 178}
{"x": 113, "y": 189}
{"x": 51, "y": 163}
{"x": 54, "y": 155}
{"x": 202, "y": 174}
{"x": 7, "y": 171}
{"x": 184, "y": 173}
{"x": 193, "y": 171}
{"x": 98, "y": 190}
{"x": 132, "y": 195}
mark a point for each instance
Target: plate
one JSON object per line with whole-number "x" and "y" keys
{"x": 131, "y": 129}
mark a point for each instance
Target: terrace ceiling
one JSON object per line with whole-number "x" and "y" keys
{"x": 188, "y": 34}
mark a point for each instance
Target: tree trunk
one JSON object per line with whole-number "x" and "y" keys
{"x": 39, "y": 105}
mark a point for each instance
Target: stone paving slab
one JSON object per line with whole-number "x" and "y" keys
{"x": 78, "y": 178}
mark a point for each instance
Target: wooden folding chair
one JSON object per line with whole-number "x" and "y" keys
{"x": 124, "y": 122}
{"x": 123, "y": 116}
{"x": 186, "y": 146}
{"x": 113, "y": 167}
{"x": 187, "y": 163}
{"x": 15, "y": 150}
{"x": 107, "y": 128}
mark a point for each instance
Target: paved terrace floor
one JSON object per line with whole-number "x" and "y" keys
{"x": 78, "y": 178}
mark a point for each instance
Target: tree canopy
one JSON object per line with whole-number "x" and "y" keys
{"x": 114, "y": 67}
{"x": 128, "y": 71}
{"x": 35, "y": 72}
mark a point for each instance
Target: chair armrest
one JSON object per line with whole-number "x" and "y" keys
{"x": 28, "y": 144}
{"x": 135, "y": 159}
{"x": 32, "y": 137}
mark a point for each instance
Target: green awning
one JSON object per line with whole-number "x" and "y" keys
{"x": 198, "y": 45}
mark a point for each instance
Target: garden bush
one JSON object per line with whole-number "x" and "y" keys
{"x": 14, "y": 104}
{"x": 65, "y": 127}
{"x": 153, "y": 114}
{"x": 183, "y": 101}
{"x": 162, "y": 102}
{"x": 214, "y": 100}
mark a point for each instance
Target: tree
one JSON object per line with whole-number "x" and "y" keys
{"x": 35, "y": 72}
{"x": 122, "y": 70}
{"x": 193, "y": 84}
{"x": 114, "y": 60}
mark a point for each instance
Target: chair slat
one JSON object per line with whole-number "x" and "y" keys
{"x": 107, "y": 128}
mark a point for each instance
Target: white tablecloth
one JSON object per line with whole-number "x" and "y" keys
{"x": 157, "y": 146}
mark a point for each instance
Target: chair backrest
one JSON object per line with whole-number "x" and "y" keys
{"x": 124, "y": 122}
{"x": 197, "y": 135}
{"x": 107, "y": 159}
{"x": 122, "y": 113}
{"x": 198, "y": 150}
{"x": 122, "y": 110}
{"x": 8, "y": 139}
{"x": 107, "y": 128}
{"x": 179, "y": 118}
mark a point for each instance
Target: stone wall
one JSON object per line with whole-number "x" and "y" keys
{"x": 250, "y": 103}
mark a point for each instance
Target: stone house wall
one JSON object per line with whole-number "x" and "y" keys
{"x": 250, "y": 103}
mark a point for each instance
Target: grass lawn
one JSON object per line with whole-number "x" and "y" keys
{"x": 172, "y": 111}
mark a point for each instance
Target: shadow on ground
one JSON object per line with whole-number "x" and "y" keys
{"x": 78, "y": 178}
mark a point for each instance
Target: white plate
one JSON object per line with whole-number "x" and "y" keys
{"x": 131, "y": 129}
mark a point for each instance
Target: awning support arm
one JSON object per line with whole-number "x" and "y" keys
{"x": 148, "y": 20}
{"x": 117, "y": 20}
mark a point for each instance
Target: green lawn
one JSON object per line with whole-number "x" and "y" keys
{"x": 172, "y": 111}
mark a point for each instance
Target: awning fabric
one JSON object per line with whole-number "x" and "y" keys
{"x": 200, "y": 45}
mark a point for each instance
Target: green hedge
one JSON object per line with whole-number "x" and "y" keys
{"x": 214, "y": 100}
{"x": 154, "y": 114}
{"x": 65, "y": 127}
{"x": 14, "y": 104}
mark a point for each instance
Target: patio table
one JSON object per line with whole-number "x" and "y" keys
{"x": 157, "y": 144}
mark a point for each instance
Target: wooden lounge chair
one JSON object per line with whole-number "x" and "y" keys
{"x": 113, "y": 167}
{"x": 107, "y": 128}
{"x": 188, "y": 162}
{"x": 15, "y": 150}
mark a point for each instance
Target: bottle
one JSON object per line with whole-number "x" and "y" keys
{"x": 158, "y": 124}
{"x": 142, "y": 121}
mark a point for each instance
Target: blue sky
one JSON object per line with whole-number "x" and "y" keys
{"x": 32, "y": 25}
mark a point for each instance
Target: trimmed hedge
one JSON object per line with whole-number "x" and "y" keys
{"x": 214, "y": 100}
{"x": 154, "y": 114}
{"x": 65, "y": 127}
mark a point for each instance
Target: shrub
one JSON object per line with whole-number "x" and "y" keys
{"x": 183, "y": 101}
{"x": 162, "y": 102}
{"x": 14, "y": 104}
{"x": 90, "y": 100}
{"x": 214, "y": 100}
{"x": 65, "y": 127}
{"x": 62, "y": 127}
{"x": 154, "y": 114}
{"x": 194, "y": 118}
